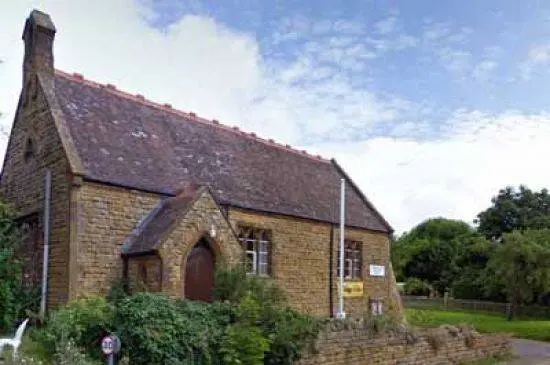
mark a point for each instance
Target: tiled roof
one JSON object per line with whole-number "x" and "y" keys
{"x": 127, "y": 140}
{"x": 159, "y": 222}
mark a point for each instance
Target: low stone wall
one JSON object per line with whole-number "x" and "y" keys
{"x": 441, "y": 346}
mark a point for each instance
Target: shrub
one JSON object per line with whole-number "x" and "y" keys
{"x": 15, "y": 299}
{"x": 68, "y": 353}
{"x": 158, "y": 330}
{"x": 85, "y": 321}
{"x": 415, "y": 286}
{"x": 287, "y": 331}
{"x": 233, "y": 284}
{"x": 243, "y": 345}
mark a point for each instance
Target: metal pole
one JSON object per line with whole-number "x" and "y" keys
{"x": 45, "y": 261}
{"x": 341, "y": 313}
{"x": 111, "y": 359}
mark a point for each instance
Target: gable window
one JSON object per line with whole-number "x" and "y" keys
{"x": 29, "y": 150}
{"x": 257, "y": 245}
{"x": 353, "y": 259}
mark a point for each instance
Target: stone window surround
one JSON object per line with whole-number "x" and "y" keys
{"x": 260, "y": 253}
{"x": 353, "y": 260}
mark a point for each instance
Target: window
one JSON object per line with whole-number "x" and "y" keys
{"x": 257, "y": 244}
{"x": 142, "y": 273}
{"x": 376, "y": 306}
{"x": 30, "y": 252}
{"x": 353, "y": 260}
{"x": 29, "y": 150}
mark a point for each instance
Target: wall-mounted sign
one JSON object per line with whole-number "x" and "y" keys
{"x": 377, "y": 270}
{"x": 352, "y": 289}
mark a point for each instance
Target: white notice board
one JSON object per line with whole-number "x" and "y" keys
{"x": 377, "y": 270}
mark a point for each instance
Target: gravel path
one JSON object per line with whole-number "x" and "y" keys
{"x": 531, "y": 352}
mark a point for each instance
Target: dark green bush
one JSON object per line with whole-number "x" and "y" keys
{"x": 84, "y": 321}
{"x": 15, "y": 299}
{"x": 158, "y": 330}
{"x": 287, "y": 331}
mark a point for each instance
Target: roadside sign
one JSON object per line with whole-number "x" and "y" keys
{"x": 108, "y": 345}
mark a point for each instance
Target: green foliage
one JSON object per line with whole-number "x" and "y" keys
{"x": 415, "y": 286}
{"x": 513, "y": 210}
{"x": 15, "y": 299}
{"x": 84, "y": 321}
{"x": 68, "y": 353}
{"x": 520, "y": 265}
{"x": 158, "y": 330}
{"x": 234, "y": 284}
{"x": 288, "y": 332}
{"x": 429, "y": 251}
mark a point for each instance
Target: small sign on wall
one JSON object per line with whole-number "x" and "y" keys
{"x": 353, "y": 289}
{"x": 377, "y": 270}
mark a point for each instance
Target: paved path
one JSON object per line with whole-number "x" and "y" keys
{"x": 531, "y": 352}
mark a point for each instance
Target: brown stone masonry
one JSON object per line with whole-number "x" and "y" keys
{"x": 301, "y": 261}
{"x": 105, "y": 215}
{"x": 23, "y": 180}
{"x": 346, "y": 347}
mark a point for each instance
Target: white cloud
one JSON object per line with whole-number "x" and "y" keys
{"x": 454, "y": 176}
{"x": 538, "y": 56}
{"x": 483, "y": 70}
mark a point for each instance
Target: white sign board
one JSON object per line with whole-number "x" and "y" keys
{"x": 377, "y": 270}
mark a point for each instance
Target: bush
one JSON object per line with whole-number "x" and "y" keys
{"x": 287, "y": 331}
{"x": 68, "y": 353}
{"x": 415, "y": 286}
{"x": 84, "y": 321}
{"x": 234, "y": 284}
{"x": 158, "y": 330}
{"x": 15, "y": 299}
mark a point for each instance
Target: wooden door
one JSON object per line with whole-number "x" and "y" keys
{"x": 199, "y": 273}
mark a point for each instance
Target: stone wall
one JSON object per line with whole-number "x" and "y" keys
{"x": 105, "y": 215}
{"x": 145, "y": 273}
{"x": 376, "y": 251}
{"x": 301, "y": 262}
{"x": 23, "y": 182}
{"x": 439, "y": 347}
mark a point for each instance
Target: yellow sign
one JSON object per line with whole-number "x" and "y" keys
{"x": 352, "y": 289}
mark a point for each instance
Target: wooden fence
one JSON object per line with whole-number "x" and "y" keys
{"x": 532, "y": 311}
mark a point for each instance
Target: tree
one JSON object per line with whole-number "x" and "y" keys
{"x": 474, "y": 279}
{"x": 429, "y": 251}
{"x": 520, "y": 264}
{"x": 513, "y": 210}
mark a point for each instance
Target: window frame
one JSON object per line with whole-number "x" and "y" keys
{"x": 260, "y": 254}
{"x": 353, "y": 260}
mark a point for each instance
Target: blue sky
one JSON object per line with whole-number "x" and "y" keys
{"x": 440, "y": 55}
{"x": 430, "y": 106}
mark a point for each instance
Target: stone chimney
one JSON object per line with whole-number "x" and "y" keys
{"x": 38, "y": 36}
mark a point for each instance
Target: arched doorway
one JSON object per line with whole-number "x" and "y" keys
{"x": 199, "y": 272}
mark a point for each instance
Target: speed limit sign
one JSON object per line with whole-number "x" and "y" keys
{"x": 108, "y": 345}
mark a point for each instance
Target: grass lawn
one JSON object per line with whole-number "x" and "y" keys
{"x": 530, "y": 329}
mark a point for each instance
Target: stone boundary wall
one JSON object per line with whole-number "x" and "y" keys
{"x": 441, "y": 346}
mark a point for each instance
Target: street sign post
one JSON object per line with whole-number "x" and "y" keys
{"x": 110, "y": 346}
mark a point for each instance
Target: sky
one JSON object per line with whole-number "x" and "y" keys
{"x": 431, "y": 106}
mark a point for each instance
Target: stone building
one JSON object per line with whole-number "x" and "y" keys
{"x": 147, "y": 192}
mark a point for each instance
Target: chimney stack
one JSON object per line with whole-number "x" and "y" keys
{"x": 38, "y": 35}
